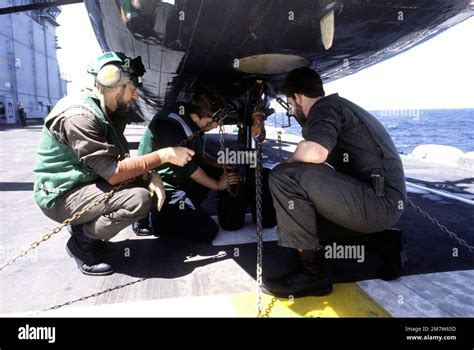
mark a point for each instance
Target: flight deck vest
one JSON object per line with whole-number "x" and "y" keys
{"x": 170, "y": 173}
{"x": 58, "y": 169}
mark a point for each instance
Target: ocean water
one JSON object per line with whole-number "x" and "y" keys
{"x": 411, "y": 128}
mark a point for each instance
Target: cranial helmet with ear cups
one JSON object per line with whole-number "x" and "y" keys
{"x": 114, "y": 69}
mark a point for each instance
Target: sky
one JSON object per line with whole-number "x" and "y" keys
{"x": 79, "y": 45}
{"x": 436, "y": 74}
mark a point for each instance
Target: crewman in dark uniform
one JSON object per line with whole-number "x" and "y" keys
{"x": 345, "y": 179}
{"x": 186, "y": 187}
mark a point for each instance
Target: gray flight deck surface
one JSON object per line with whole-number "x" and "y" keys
{"x": 437, "y": 280}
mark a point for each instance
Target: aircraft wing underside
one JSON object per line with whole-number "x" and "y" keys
{"x": 187, "y": 42}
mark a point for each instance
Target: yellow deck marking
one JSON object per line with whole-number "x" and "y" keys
{"x": 346, "y": 300}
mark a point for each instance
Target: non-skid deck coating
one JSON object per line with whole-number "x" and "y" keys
{"x": 176, "y": 278}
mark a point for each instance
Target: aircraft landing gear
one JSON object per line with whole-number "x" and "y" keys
{"x": 232, "y": 207}
{"x": 231, "y": 210}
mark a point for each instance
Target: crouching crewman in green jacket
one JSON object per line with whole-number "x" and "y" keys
{"x": 83, "y": 154}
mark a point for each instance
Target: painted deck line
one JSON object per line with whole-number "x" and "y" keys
{"x": 441, "y": 193}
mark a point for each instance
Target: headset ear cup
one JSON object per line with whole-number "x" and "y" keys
{"x": 109, "y": 75}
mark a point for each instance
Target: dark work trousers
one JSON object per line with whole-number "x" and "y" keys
{"x": 104, "y": 221}
{"x": 315, "y": 203}
{"x": 182, "y": 216}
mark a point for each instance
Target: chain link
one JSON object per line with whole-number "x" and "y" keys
{"x": 94, "y": 295}
{"x": 258, "y": 199}
{"x": 221, "y": 137}
{"x": 105, "y": 196}
{"x": 259, "y": 209}
{"x": 443, "y": 228}
{"x": 98, "y": 201}
{"x": 234, "y": 192}
{"x": 215, "y": 118}
{"x": 269, "y": 308}
{"x": 65, "y": 223}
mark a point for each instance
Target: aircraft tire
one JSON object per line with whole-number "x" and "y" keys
{"x": 231, "y": 210}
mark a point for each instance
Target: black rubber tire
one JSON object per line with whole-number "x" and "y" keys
{"x": 268, "y": 210}
{"x": 231, "y": 210}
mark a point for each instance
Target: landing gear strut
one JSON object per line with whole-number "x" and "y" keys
{"x": 232, "y": 207}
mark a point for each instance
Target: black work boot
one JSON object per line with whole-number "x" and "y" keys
{"x": 390, "y": 245}
{"x": 100, "y": 246}
{"x": 142, "y": 227}
{"x": 313, "y": 278}
{"x": 84, "y": 250}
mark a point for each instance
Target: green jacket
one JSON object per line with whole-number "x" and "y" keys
{"x": 173, "y": 176}
{"x": 58, "y": 169}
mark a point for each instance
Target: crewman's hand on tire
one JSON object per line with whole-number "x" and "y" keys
{"x": 229, "y": 180}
